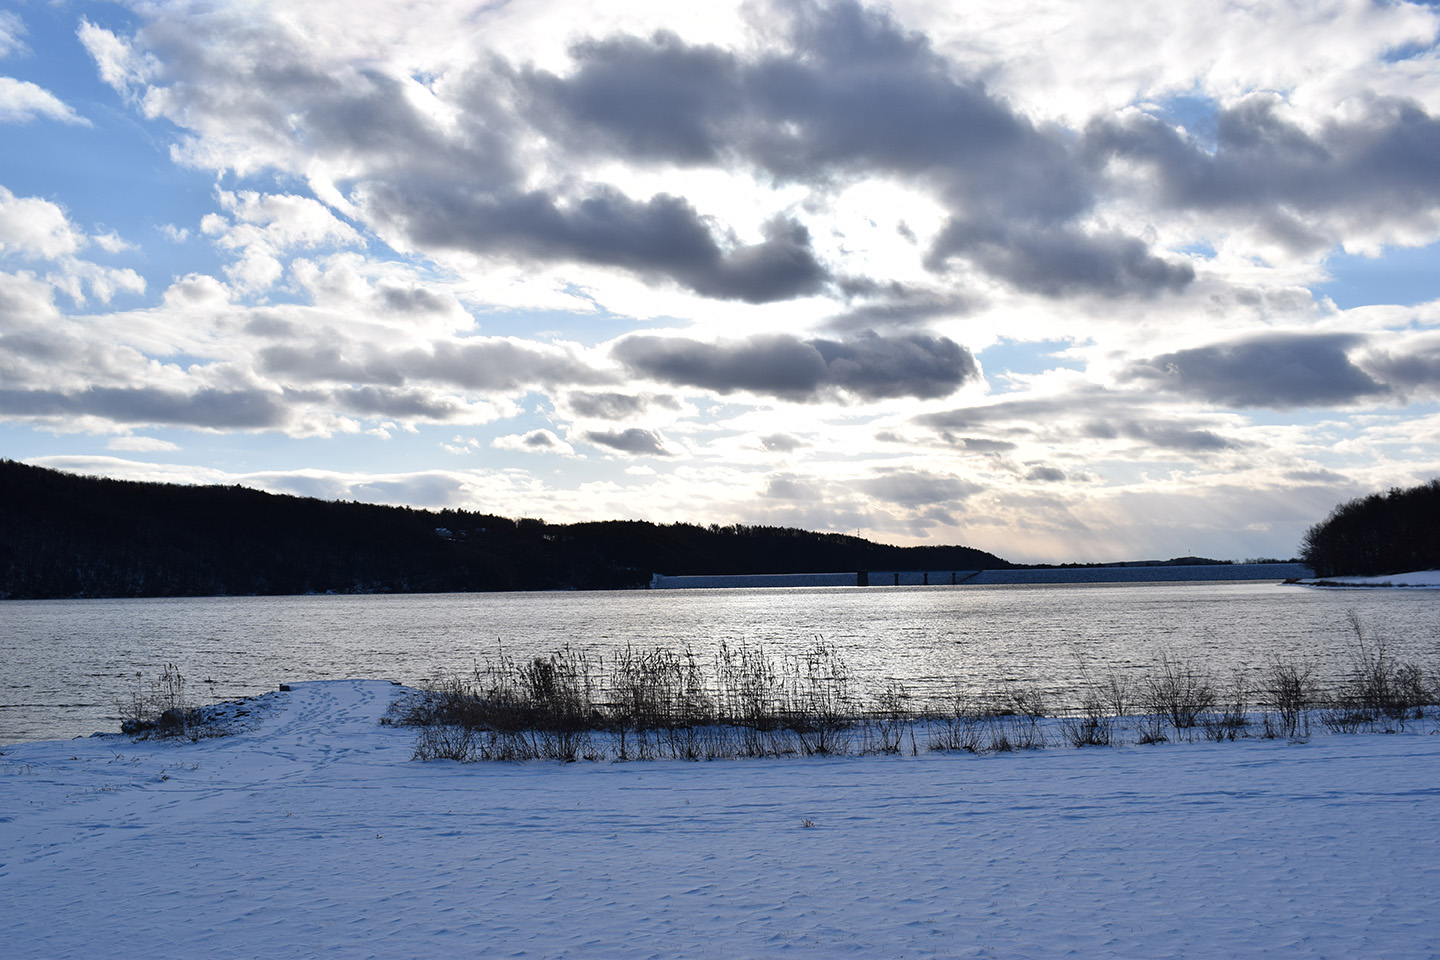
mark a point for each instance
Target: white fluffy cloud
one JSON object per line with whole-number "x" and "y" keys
{"x": 22, "y": 101}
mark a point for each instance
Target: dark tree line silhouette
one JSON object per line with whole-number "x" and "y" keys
{"x": 63, "y": 535}
{"x": 1393, "y": 532}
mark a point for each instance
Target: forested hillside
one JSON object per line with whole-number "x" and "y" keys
{"x": 1394, "y": 532}
{"x": 63, "y": 535}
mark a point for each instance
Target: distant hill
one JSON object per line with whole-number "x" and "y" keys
{"x": 1394, "y": 532}
{"x": 63, "y": 535}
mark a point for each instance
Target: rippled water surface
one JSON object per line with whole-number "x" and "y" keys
{"x": 67, "y": 664}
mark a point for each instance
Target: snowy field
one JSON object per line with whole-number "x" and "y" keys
{"x": 312, "y": 833}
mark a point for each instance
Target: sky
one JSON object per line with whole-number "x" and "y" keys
{"x": 1057, "y": 283}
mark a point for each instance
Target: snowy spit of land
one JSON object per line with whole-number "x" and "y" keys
{"x": 1419, "y": 578}
{"x": 311, "y": 832}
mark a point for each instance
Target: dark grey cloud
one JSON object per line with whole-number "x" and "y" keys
{"x": 1059, "y": 260}
{"x": 373, "y": 401}
{"x": 540, "y": 440}
{"x": 918, "y": 488}
{"x": 414, "y": 300}
{"x": 208, "y": 408}
{"x": 781, "y": 365}
{"x": 1045, "y": 475}
{"x": 1415, "y": 367}
{"x": 635, "y": 441}
{"x": 1377, "y": 163}
{"x": 660, "y": 238}
{"x": 914, "y": 365}
{"x": 645, "y": 99}
{"x": 850, "y": 93}
{"x": 607, "y": 406}
{"x": 1279, "y": 370}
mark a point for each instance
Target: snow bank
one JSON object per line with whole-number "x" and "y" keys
{"x": 312, "y": 833}
{"x": 1419, "y": 578}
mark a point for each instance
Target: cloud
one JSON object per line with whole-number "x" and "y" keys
{"x": 1061, "y": 261}
{"x": 1045, "y": 475}
{"x": 1407, "y": 366}
{"x": 504, "y": 160}
{"x": 913, "y": 365}
{"x": 614, "y": 406}
{"x": 895, "y": 306}
{"x": 399, "y": 404}
{"x": 1084, "y": 414}
{"x": 1167, "y": 436}
{"x": 786, "y": 486}
{"x": 208, "y": 408}
{"x": 141, "y": 445}
{"x": 663, "y": 237}
{"x": 847, "y": 92}
{"x": 1369, "y": 170}
{"x": 21, "y": 102}
{"x": 536, "y": 441}
{"x": 782, "y": 443}
{"x": 982, "y": 444}
{"x": 484, "y": 364}
{"x": 918, "y": 488}
{"x": 12, "y": 28}
{"x": 870, "y": 367}
{"x": 634, "y": 441}
{"x": 1278, "y": 370}
{"x": 33, "y": 227}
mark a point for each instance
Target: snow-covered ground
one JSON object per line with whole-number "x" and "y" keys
{"x": 1419, "y": 578}
{"x": 312, "y": 833}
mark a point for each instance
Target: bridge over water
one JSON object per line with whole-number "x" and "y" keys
{"x": 1128, "y": 573}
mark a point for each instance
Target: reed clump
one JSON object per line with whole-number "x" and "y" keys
{"x": 742, "y": 701}
{"x": 161, "y": 708}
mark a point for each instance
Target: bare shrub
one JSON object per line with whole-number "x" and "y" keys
{"x": 959, "y": 722}
{"x": 1016, "y": 719}
{"x": 1232, "y": 720}
{"x": 1181, "y": 691}
{"x": 1287, "y": 695}
{"x": 1151, "y": 728}
{"x": 1119, "y": 694}
{"x": 887, "y": 722}
{"x": 1093, "y": 726}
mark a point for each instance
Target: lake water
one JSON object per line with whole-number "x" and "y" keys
{"x": 67, "y": 664}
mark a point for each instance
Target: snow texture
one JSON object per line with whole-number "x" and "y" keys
{"x": 311, "y": 832}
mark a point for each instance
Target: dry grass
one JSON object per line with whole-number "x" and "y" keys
{"x": 744, "y": 702}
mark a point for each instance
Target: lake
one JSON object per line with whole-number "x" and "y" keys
{"x": 67, "y": 664}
